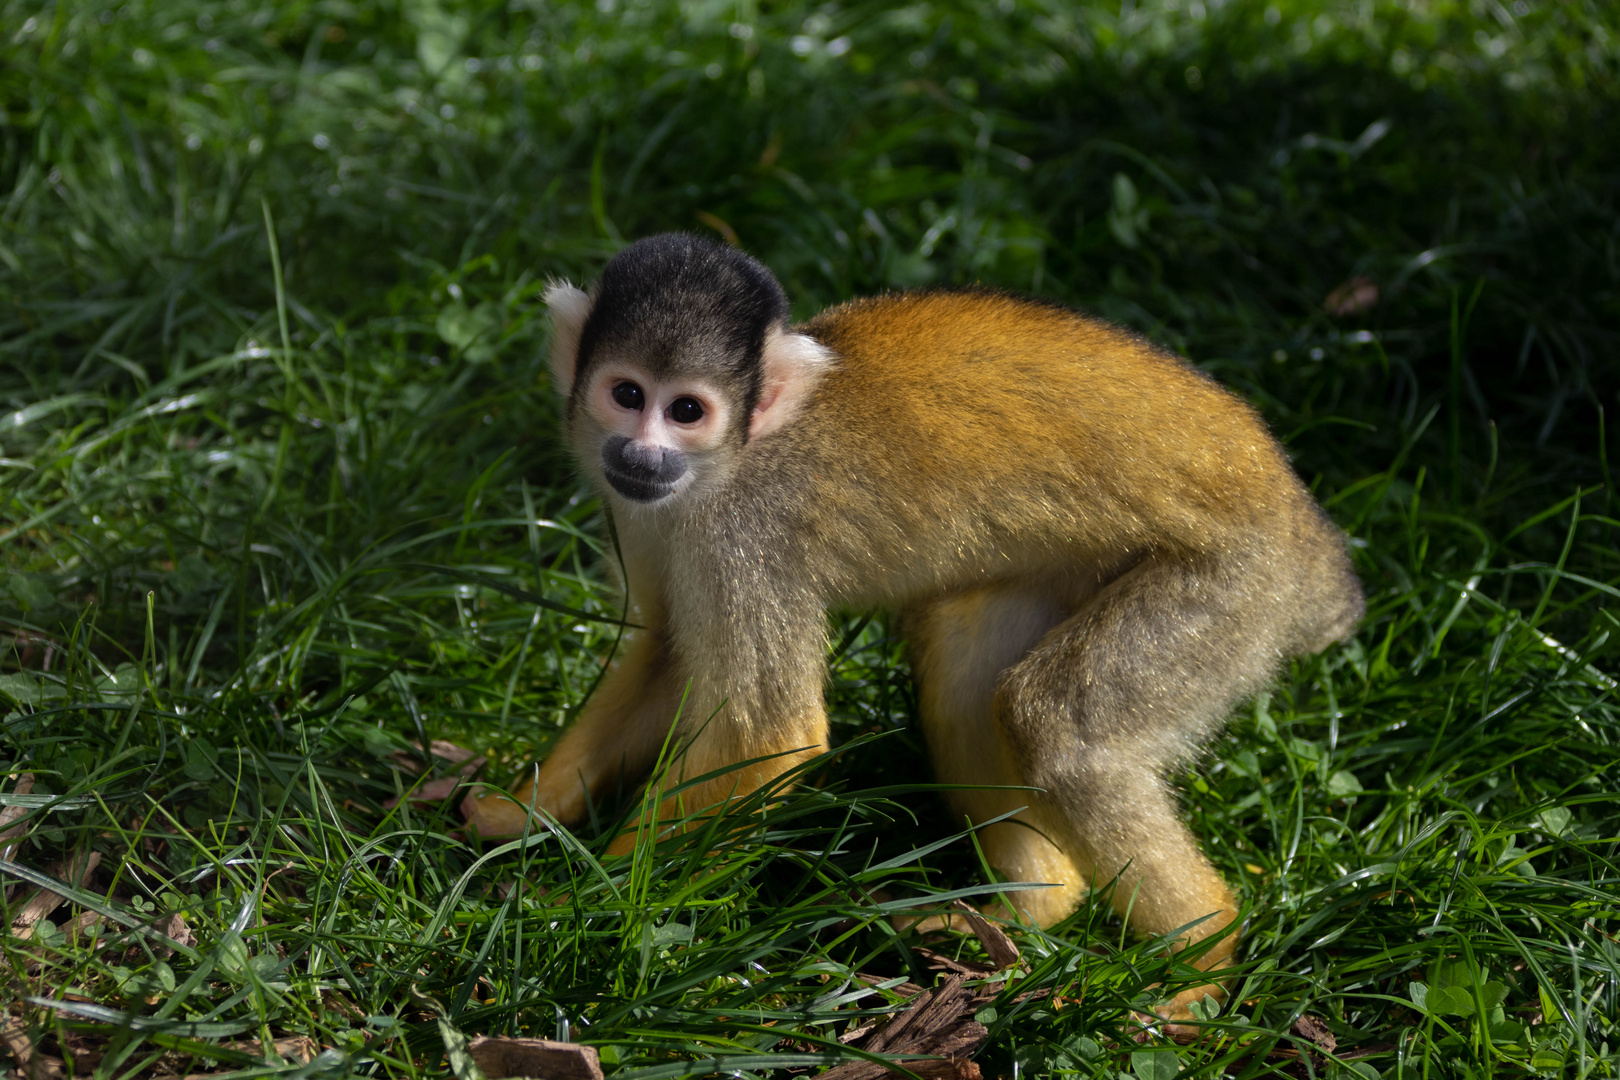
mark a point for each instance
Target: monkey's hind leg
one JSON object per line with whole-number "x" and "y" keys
{"x": 1127, "y": 688}
{"x": 959, "y": 648}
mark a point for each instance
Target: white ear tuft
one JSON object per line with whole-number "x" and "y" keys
{"x": 794, "y": 364}
{"x": 569, "y": 309}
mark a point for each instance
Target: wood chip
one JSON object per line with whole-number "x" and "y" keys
{"x": 46, "y": 1067}
{"x": 42, "y": 902}
{"x": 938, "y": 1022}
{"x": 997, "y": 945}
{"x": 11, "y": 834}
{"x": 14, "y": 1033}
{"x": 500, "y": 1057}
{"x": 293, "y": 1049}
{"x": 83, "y": 923}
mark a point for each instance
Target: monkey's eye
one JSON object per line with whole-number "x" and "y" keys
{"x": 685, "y": 410}
{"x": 629, "y": 396}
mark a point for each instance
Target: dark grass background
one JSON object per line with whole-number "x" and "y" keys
{"x": 280, "y": 499}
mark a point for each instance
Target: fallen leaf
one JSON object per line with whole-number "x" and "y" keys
{"x": 431, "y": 792}
{"x": 411, "y": 760}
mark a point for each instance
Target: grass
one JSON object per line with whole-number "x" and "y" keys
{"x": 280, "y": 505}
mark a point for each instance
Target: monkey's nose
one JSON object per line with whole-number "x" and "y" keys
{"x": 641, "y": 471}
{"x": 642, "y": 456}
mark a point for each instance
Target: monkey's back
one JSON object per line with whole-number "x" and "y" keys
{"x": 1022, "y": 429}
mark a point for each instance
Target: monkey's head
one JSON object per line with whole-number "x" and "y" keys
{"x": 675, "y": 361}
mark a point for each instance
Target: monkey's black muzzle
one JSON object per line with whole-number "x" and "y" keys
{"x": 640, "y": 472}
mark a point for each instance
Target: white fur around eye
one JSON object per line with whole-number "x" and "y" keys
{"x": 569, "y": 307}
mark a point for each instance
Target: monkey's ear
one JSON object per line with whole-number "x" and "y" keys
{"x": 569, "y": 309}
{"x": 793, "y": 365}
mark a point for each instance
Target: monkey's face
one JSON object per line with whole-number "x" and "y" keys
{"x": 653, "y": 438}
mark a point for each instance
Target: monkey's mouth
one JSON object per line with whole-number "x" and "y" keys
{"x": 641, "y": 489}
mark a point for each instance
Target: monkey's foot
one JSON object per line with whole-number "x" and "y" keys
{"x": 494, "y": 816}
{"x": 1175, "y": 1018}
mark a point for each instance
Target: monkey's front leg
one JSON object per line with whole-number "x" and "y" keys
{"x": 785, "y": 745}
{"x": 752, "y": 691}
{"x": 615, "y": 739}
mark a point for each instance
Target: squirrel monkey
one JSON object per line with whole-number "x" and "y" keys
{"x": 1095, "y": 550}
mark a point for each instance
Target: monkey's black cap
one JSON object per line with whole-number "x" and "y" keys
{"x": 687, "y": 304}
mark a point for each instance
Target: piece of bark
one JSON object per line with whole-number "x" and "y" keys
{"x": 939, "y": 1023}
{"x": 997, "y": 945}
{"x": 1313, "y": 1028}
{"x": 857, "y": 1034}
{"x": 75, "y": 872}
{"x": 545, "y": 1058}
{"x": 83, "y": 923}
{"x": 1315, "y": 1031}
